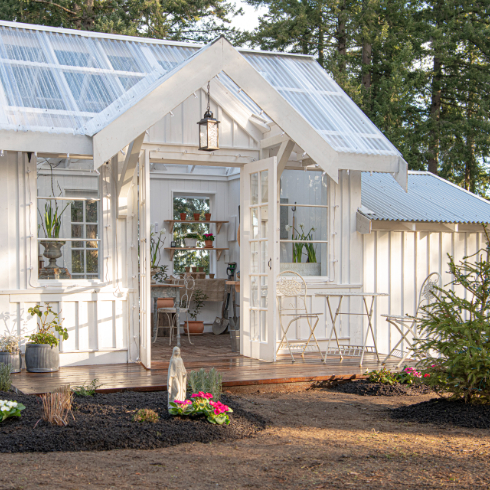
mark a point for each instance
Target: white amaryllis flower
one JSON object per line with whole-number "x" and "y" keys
{"x": 164, "y": 230}
{"x": 288, "y": 228}
{"x": 11, "y": 404}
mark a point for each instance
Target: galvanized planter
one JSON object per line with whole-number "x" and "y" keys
{"x": 42, "y": 358}
{"x": 12, "y": 358}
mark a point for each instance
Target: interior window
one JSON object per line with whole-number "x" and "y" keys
{"x": 185, "y": 259}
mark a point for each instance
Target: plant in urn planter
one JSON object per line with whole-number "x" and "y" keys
{"x": 208, "y": 240}
{"x": 10, "y": 352}
{"x": 196, "y": 327}
{"x": 42, "y": 350}
{"x": 302, "y": 247}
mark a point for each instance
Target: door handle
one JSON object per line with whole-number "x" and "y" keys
{"x": 269, "y": 264}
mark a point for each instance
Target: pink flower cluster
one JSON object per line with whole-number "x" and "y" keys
{"x": 208, "y": 235}
{"x": 201, "y": 394}
{"x": 413, "y": 372}
{"x": 185, "y": 402}
{"x": 219, "y": 407}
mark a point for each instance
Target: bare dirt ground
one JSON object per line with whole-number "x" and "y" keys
{"x": 317, "y": 439}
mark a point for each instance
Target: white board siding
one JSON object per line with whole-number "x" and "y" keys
{"x": 398, "y": 263}
{"x": 181, "y": 127}
{"x": 100, "y": 318}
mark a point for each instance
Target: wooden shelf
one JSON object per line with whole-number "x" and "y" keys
{"x": 219, "y": 251}
{"x": 218, "y": 224}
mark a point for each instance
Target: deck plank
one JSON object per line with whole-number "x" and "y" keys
{"x": 206, "y": 352}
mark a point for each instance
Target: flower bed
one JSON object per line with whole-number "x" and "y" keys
{"x": 105, "y": 421}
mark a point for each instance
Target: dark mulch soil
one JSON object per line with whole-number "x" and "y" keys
{"x": 103, "y": 422}
{"x": 442, "y": 411}
{"x": 365, "y": 388}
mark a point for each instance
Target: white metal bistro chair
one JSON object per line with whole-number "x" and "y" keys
{"x": 407, "y": 325}
{"x": 291, "y": 289}
{"x": 185, "y": 302}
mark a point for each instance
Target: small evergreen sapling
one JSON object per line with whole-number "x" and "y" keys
{"x": 454, "y": 341}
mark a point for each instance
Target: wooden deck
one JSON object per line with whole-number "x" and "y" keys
{"x": 206, "y": 352}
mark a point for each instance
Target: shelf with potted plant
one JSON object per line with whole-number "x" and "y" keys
{"x": 218, "y": 224}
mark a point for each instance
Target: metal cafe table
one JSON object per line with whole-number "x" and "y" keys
{"x": 368, "y": 301}
{"x": 166, "y": 291}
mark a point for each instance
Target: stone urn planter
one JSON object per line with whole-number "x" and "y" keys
{"x": 195, "y": 327}
{"x": 42, "y": 358}
{"x": 52, "y": 251}
{"x": 12, "y": 358}
{"x": 303, "y": 268}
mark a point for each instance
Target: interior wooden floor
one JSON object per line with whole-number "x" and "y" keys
{"x": 206, "y": 351}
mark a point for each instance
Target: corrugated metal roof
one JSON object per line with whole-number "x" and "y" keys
{"x": 66, "y": 81}
{"x": 429, "y": 198}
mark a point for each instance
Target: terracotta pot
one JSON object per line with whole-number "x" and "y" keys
{"x": 195, "y": 328}
{"x": 187, "y": 269}
{"x": 200, "y": 269}
{"x": 165, "y": 302}
{"x": 211, "y": 276}
{"x": 207, "y": 216}
{"x": 208, "y": 243}
{"x": 183, "y": 216}
{"x": 197, "y": 216}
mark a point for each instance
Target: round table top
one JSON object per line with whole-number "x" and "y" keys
{"x": 167, "y": 286}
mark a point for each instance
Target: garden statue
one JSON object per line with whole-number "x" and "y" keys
{"x": 177, "y": 378}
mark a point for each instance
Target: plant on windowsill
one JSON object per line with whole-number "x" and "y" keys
{"x": 196, "y": 327}
{"x": 156, "y": 246}
{"x": 302, "y": 248}
{"x": 51, "y": 226}
{"x": 42, "y": 350}
{"x": 10, "y": 352}
{"x": 208, "y": 240}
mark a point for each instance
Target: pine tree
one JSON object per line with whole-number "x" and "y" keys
{"x": 196, "y": 20}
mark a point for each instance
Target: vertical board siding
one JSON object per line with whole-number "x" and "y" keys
{"x": 401, "y": 262}
{"x": 97, "y": 317}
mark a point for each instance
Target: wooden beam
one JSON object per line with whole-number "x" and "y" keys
{"x": 363, "y": 224}
{"x": 204, "y": 158}
{"x": 36, "y": 141}
{"x": 283, "y": 156}
{"x": 272, "y": 141}
{"x": 127, "y": 174}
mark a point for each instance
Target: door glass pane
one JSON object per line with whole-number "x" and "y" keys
{"x": 255, "y": 257}
{"x": 77, "y": 262}
{"x": 263, "y": 257}
{"x": 254, "y": 292}
{"x": 264, "y": 221}
{"x": 264, "y": 293}
{"x": 264, "y": 185}
{"x": 91, "y": 231}
{"x": 93, "y": 261}
{"x": 254, "y": 221}
{"x": 263, "y": 326}
{"x": 77, "y": 211}
{"x": 254, "y": 188}
{"x": 77, "y": 232}
{"x": 254, "y": 324}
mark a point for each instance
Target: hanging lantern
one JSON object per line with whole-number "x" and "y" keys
{"x": 208, "y": 130}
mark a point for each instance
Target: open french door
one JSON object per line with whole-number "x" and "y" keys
{"x": 144, "y": 246}
{"x": 259, "y": 259}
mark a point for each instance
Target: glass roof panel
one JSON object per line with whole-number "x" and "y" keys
{"x": 58, "y": 81}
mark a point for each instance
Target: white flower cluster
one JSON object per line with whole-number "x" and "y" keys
{"x": 6, "y": 406}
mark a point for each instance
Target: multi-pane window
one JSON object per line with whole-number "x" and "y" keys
{"x": 85, "y": 253}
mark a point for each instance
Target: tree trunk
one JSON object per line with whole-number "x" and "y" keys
{"x": 366, "y": 65}
{"x": 435, "y": 113}
{"x": 341, "y": 38}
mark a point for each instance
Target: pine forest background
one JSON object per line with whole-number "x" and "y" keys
{"x": 419, "y": 69}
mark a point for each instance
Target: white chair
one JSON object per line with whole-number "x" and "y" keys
{"x": 291, "y": 289}
{"x": 407, "y": 325}
{"x": 185, "y": 302}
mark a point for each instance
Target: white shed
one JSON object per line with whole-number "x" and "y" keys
{"x": 106, "y": 125}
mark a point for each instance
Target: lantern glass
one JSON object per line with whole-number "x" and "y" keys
{"x": 213, "y": 134}
{"x": 208, "y": 133}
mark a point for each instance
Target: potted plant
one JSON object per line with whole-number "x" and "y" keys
{"x": 197, "y": 216}
{"x": 196, "y": 327}
{"x": 42, "y": 350}
{"x": 302, "y": 247}
{"x": 10, "y": 352}
{"x": 183, "y": 216}
{"x": 191, "y": 240}
{"x": 208, "y": 240}
{"x": 207, "y": 216}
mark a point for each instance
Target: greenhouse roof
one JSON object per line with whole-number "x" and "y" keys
{"x": 77, "y": 82}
